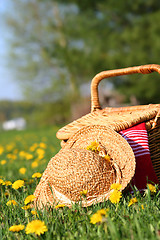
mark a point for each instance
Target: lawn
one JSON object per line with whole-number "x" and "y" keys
{"x": 24, "y": 156}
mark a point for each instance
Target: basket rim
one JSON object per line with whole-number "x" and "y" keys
{"x": 107, "y": 117}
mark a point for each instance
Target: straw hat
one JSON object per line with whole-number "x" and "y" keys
{"x": 75, "y": 168}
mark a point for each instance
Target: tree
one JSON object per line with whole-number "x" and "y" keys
{"x": 55, "y": 52}
{"x": 58, "y": 46}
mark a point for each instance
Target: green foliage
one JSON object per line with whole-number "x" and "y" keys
{"x": 10, "y": 109}
{"x": 36, "y": 114}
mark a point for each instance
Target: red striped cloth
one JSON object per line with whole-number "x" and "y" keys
{"x": 138, "y": 140}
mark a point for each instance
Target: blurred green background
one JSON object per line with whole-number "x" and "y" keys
{"x": 56, "y": 48}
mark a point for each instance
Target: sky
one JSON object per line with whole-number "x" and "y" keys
{"x": 9, "y": 88}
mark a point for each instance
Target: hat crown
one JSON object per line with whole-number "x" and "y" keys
{"x": 74, "y": 170}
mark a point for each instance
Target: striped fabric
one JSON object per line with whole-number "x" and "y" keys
{"x": 138, "y": 140}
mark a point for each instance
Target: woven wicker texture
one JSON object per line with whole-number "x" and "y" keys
{"x": 154, "y": 146}
{"x": 75, "y": 169}
{"x": 110, "y": 117}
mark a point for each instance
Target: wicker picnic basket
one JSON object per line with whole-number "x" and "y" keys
{"x": 121, "y": 118}
{"x": 76, "y": 167}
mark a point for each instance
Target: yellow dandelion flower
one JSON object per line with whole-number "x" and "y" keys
{"x": 41, "y": 156}
{"x": 6, "y": 194}
{"x": 11, "y": 156}
{"x": 33, "y": 147}
{"x": 1, "y": 149}
{"x": 11, "y": 202}
{"x": 42, "y": 145}
{"x": 59, "y": 206}
{"x": 116, "y": 186}
{"x": 28, "y": 156}
{"x": 34, "y": 164}
{"x": 35, "y": 144}
{"x": 132, "y": 201}
{"x": 83, "y": 193}
{"x": 29, "y": 199}
{"x": 94, "y": 146}
{"x": 107, "y": 157}
{"x": 16, "y": 228}
{"x": 22, "y": 154}
{"x": 40, "y": 151}
{"x": 103, "y": 211}
{"x": 26, "y": 207}
{"x": 115, "y": 196}
{"x": 7, "y": 183}
{"x": 152, "y": 188}
{"x": 18, "y": 184}
{"x": 34, "y": 212}
{"x": 1, "y": 181}
{"x": 9, "y": 147}
{"x": 22, "y": 170}
{"x": 36, "y": 175}
{"x": 36, "y": 226}
{"x": 3, "y": 162}
{"x": 96, "y": 218}
{"x": 142, "y": 207}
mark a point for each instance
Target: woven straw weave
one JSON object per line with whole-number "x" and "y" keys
{"x": 75, "y": 169}
{"x": 154, "y": 147}
{"x": 116, "y": 120}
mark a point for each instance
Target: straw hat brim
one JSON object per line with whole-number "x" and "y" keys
{"x": 70, "y": 172}
{"x": 74, "y": 168}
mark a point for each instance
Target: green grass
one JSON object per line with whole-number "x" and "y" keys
{"x": 121, "y": 222}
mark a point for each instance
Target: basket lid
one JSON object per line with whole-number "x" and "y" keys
{"x": 116, "y": 118}
{"x": 75, "y": 168}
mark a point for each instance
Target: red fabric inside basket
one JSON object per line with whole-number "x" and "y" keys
{"x": 138, "y": 139}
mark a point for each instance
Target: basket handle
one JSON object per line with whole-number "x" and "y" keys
{"x": 144, "y": 69}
